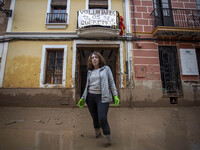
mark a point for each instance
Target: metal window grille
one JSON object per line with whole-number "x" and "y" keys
{"x": 54, "y": 66}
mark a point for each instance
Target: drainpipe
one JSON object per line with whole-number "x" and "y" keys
{"x": 126, "y": 43}
{"x": 134, "y": 19}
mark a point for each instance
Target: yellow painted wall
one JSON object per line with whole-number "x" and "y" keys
{"x": 117, "y": 5}
{"x": 76, "y": 5}
{"x": 24, "y": 57}
{"x": 30, "y": 15}
{"x": 24, "y": 61}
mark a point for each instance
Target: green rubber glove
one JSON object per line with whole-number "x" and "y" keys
{"x": 116, "y": 101}
{"x": 81, "y": 103}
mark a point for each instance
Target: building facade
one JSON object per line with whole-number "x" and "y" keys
{"x": 166, "y": 51}
{"x": 47, "y": 43}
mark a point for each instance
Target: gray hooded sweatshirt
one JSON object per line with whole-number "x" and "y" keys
{"x": 107, "y": 85}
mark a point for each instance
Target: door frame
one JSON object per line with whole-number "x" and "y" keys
{"x": 103, "y": 42}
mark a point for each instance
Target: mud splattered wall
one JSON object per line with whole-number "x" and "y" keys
{"x": 24, "y": 62}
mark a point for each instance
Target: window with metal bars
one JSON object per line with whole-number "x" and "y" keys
{"x": 54, "y": 66}
{"x": 198, "y": 4}
{"x": 58, "y": 13}
{"x": 98, "y": 4}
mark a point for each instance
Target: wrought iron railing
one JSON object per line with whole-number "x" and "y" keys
{"x": 98, "y": 18}
{"x": 176, "y": 17}
{"x": 56, "y": 18}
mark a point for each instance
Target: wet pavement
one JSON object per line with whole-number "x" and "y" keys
{"x": 159, "y": 128}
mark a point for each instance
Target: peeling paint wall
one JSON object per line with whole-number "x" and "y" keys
{"x": 24, "y": 61}
{"x": 22, "y": 71}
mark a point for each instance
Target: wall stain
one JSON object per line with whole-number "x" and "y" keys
{"x": 22, "y": 71}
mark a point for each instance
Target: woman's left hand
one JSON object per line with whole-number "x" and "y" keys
{"x": 116, "y": 101}
{"x": 81, "y": 103}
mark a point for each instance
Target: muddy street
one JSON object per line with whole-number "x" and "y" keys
{"x": 25, "y": 128}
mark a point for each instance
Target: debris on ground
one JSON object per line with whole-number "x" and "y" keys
{"x": 47, "y": 120}
{"x": 13, "y": 121}
{"x": 39, "y": 121}
{"x": 59, "y": 122}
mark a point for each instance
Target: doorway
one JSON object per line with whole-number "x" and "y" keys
{"x": 163, "y": 13}
{"x": 170, "y": 72}
{"x": 110, "y": 52}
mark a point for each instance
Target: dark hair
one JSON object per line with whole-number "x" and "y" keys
{"x": 102, "y": 61}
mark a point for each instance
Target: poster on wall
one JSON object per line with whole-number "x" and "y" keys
{"x": 189, "y": 62}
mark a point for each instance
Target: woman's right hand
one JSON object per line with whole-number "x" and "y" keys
{"x": 81, "y": 103}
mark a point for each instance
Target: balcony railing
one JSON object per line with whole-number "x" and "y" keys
{"x": 102, "y": 18}
{"x": 176, "y": 18}
{"x": 56, "y": 18}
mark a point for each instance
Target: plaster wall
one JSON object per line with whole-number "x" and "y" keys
{"x": 32, "y": 17}
{"x": 37, "y": 97}
{"x": 149, "y": 93}
{"x": 23, "y": 63}
{"x": 144, "y": 94}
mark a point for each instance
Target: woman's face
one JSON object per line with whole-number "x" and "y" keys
{"x": 95, "y": 61}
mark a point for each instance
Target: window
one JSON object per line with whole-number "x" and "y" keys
{"x": 57, "y": 13}
{"x": 163, "y": 13}
{"x": 53, "y": 66}
{"x": 99, "y": 4}
{"x": 198, "y": 7}
{"x": 198, "y": 4}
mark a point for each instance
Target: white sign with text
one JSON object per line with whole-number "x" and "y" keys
{"x": 189, "y": 62}
{"x": 96, "y": 17}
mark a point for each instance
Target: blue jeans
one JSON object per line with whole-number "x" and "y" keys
{"x": 98, "y": 111}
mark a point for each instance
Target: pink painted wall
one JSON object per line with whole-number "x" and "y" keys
{"x": 145, "y": 53}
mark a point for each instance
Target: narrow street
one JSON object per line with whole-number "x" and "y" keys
{"x": 159, "y": 128}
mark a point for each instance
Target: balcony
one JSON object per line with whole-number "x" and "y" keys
{"x": 176, "y": 22}
{"x": 98, "y": 23}
{"x": 56, "y": 20}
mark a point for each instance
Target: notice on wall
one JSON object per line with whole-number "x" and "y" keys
{"x": 96, "y": 17}
{"x": 189, "y": 62}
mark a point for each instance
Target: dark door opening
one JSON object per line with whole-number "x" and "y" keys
{"x": 110, "y": 54}
{"x": 163, "y": 13}
{"x": 170, "y": 72}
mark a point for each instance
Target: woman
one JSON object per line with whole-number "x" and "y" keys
{"x": 97, "y": 94}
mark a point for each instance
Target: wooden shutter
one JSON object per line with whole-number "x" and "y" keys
{"x": 59, "y": 3}
{"x": 98, "y": 4}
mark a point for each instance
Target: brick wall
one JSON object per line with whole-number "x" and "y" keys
{"x": 145, "y": 53}
{"x": 146, "y": 60}
{"x": 143, "y": 9}
{"x": 184, "y": 4}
